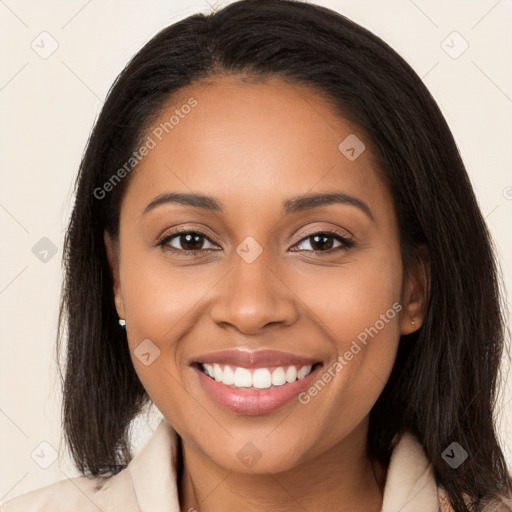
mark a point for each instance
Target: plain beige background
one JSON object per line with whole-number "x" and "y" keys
{"x": 49, "y": 102}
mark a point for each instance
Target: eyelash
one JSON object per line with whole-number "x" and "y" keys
{"x": 346, "y": 242}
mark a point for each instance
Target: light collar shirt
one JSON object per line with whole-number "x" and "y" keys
{"x": 149, "y": 483}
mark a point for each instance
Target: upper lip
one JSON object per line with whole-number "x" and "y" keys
{"x": 254, "y": 359}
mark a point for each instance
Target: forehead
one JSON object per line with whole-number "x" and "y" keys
{"x": 252, "y": 143}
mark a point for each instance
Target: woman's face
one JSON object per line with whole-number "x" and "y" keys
{"x": 321, "y": 282}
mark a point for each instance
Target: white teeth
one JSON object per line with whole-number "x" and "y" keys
{"x": 228, "y": 377}
{"x": 291, "y": 374}
{"x": 278, "y": 377}
{"x": 243, "y": 378}
{"x": 303, "y": 371}
{"x": 259, "y": 378}
{"x": 209, "y": 369}
{"x": 217, "y": 372}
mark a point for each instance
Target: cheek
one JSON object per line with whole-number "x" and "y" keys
{"x": 349, "y": 299}
{"x": 161, "y": 300}
{"x": 358, "y": 307}
{"x": 161, "y": 306}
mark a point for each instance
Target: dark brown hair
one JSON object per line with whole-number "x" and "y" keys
{"x": 443, "y": 384}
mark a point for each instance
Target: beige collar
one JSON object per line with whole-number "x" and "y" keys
{"x": 410, "y": 484}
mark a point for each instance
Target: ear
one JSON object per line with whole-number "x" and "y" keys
{"x": 113, "y": 259}
{"x": 416, "y": 291}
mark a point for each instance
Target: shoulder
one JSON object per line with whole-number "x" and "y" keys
{"x": 411, "y": 482}
{"x": 86, "y": 494}
{"x": 148, "y": 482}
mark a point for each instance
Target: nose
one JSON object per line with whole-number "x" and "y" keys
{"x": 253, "y": 296}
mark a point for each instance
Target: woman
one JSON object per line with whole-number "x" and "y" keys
{"x": 275, "y": 241}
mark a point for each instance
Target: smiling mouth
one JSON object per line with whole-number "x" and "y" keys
{"x": 239, "y": 377}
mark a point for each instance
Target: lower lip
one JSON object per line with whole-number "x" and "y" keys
{"x": 253, "y": 402}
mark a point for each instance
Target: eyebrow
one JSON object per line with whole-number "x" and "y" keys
{"x": 293, "y": 205}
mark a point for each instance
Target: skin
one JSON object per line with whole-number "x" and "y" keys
{"x": 253, "y": 146}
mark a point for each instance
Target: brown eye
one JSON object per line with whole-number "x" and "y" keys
{"x": 186, "y": 241}
{"x": 190, "y": 241}
{"x": 325, "y": 241}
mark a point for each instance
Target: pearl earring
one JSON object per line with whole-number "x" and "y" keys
{"x": 412, "y": 322}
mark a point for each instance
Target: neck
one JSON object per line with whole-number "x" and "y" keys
{"x": 342, "y": 478}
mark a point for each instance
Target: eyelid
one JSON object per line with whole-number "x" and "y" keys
{"x": 181, "y": 231}
{"x": 346, "y": 235}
